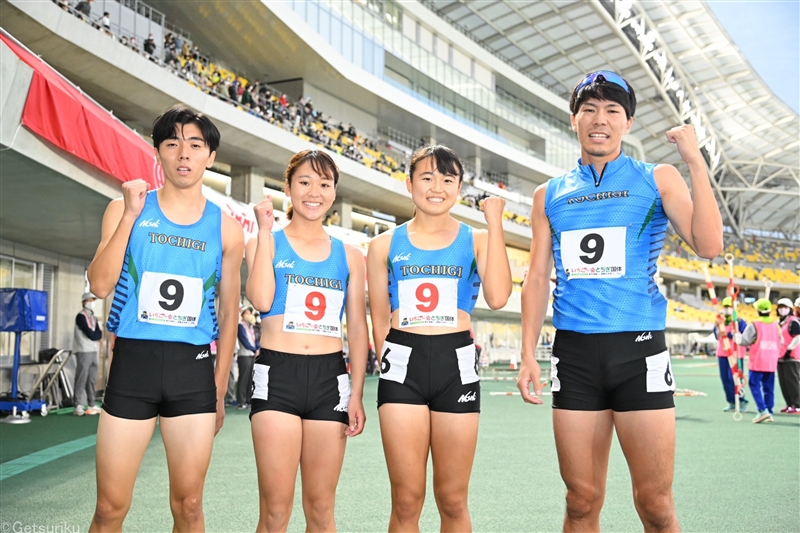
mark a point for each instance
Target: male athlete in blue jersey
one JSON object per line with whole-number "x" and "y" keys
{"x": 603, "y": 224}
{"x": 166, "y": 255}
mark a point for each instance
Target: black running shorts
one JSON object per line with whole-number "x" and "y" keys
{"x": 312, "y": 387}
{"x": 439, "y": 371}
{"x": 158, "y": 378}
{"x": 627, "y": 371}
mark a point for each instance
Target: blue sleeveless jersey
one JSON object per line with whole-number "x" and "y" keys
{"x": 407, "y": 262}
{"x": 166, "y": 290}
{"x": 607, "y": 233}
{"x": 333, "y": 273}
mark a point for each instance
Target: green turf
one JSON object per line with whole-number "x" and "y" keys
{"x": 729, "y": 476}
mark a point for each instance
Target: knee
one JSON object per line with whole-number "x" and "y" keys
{"x": 188, "y": 508}
{"x": 274, "y": 515}
{"x": 655, "y": 508}
{"x": 407, "y": 505}
{"x": 108, "y": 511}
{"x": 583, "y": 502}
{"x": 318, "y": 510}
{"x": 453, "y": 505}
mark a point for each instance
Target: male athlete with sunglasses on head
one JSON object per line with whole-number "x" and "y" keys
{"x": 603, "y": 224}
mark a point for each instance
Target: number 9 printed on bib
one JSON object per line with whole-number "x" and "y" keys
{"x": 313, "y": 310}
{"x": 170, "y": 299}
{"x": 428, "y": 302}
{"x": 593, "y": 253}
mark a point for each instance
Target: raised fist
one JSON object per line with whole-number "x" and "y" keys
{"x": 493, "y": 209}
{"x": 134, "y": 193}
{"x": 683, "y": 137}
{"x": 265, "y": 217}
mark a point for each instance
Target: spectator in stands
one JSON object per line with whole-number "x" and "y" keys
{"x": 133, "y": 45}
{"x": 85, "y": 346}
{"x": 789, "y": 364}
{"x": 365, "y": 230}
{"x": 335, "y": 218}
{"x": 150, "y": 45}
{"x": 105, "y": 23}
{"x": 249, "y": 345}
{"x": 724, "y": 332}
{"x": 763, "y": 337}
{"x": 84, "y": 8}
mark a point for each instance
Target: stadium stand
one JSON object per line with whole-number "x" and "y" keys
{"x": 261, "y": 100}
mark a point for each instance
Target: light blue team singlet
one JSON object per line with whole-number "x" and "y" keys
{"x": 166, "y": 290}
{"x": 456, "y": 262}
{"x": 607, "y": 232}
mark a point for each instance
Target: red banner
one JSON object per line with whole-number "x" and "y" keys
{"x": 58, "y": 111}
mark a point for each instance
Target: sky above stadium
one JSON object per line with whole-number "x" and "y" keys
{"x": 768, "y": 34}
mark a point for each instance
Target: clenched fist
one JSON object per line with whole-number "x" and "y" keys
{"x": 493, "y": 209}
{"x": 265, "y": 217}
{"x": 134, "y": 193}
{"x": 683, "y": 137}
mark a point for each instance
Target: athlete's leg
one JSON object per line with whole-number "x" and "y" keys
{"x": 583, "y": 442}
{"x": 453, "y": 440}
{"x": 320, "y": 465}
{"x": 406, "y": 435}
{"x": 121, "y": 444}
{"x": 277, "y": 438}
{"x": 648, "y": 442}
{"x": 188, "y": 440}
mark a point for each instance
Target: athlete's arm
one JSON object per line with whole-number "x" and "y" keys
{"x": 118, "y": 221}
{"x": 357, "y": 338}
{"x": 380, "y": 310}
{"x": 230, "y": 287}
{"x": 695, "y": 217}
{"x": 535, "y": 292}
{"x": 493, "y": 267}
{"x": 260, "y": 287}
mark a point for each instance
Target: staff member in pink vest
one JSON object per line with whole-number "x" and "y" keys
{"x": 764, "y": 339}
{"x": 724, "y": 331}
{"x": 789, "y": 364}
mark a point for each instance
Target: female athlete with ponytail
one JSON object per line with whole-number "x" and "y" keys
{"x": 303, "y": 407}
{"x": 429, "y": 391}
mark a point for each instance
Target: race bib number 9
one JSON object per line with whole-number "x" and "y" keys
{"x": 593, "y": 253}
{"x": 428, "y": 302}
{"x": 170, "y": 300}
{"x": 313, "y": 310}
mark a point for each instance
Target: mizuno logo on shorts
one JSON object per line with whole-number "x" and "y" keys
{"x": 202, "y": 355}
{"x": 468, "y": 397}
{"x": 644, "y": 337}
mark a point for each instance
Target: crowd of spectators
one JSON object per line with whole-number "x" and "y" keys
{"x": 754, "y": 258}
{"x": 261, "y": 100}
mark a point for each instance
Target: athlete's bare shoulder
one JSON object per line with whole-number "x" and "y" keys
{"x": 232, "y": 233}
{"x": 381, "y": 243}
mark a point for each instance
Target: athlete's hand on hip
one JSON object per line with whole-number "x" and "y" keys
{"x": 683, "y": 137}
{"x": 264, "y": 214}
{"x": 134, "y": 193}
{"x": 530, "y": 373}
{"x": 358, "y": 418}
{"x": 220, "y": 415}
{"x": 493, "y": 209}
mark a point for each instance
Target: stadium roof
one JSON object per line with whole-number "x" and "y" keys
{"x": 685, "y": 68}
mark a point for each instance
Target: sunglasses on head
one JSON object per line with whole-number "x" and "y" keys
{"x": 603, "y": 76}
